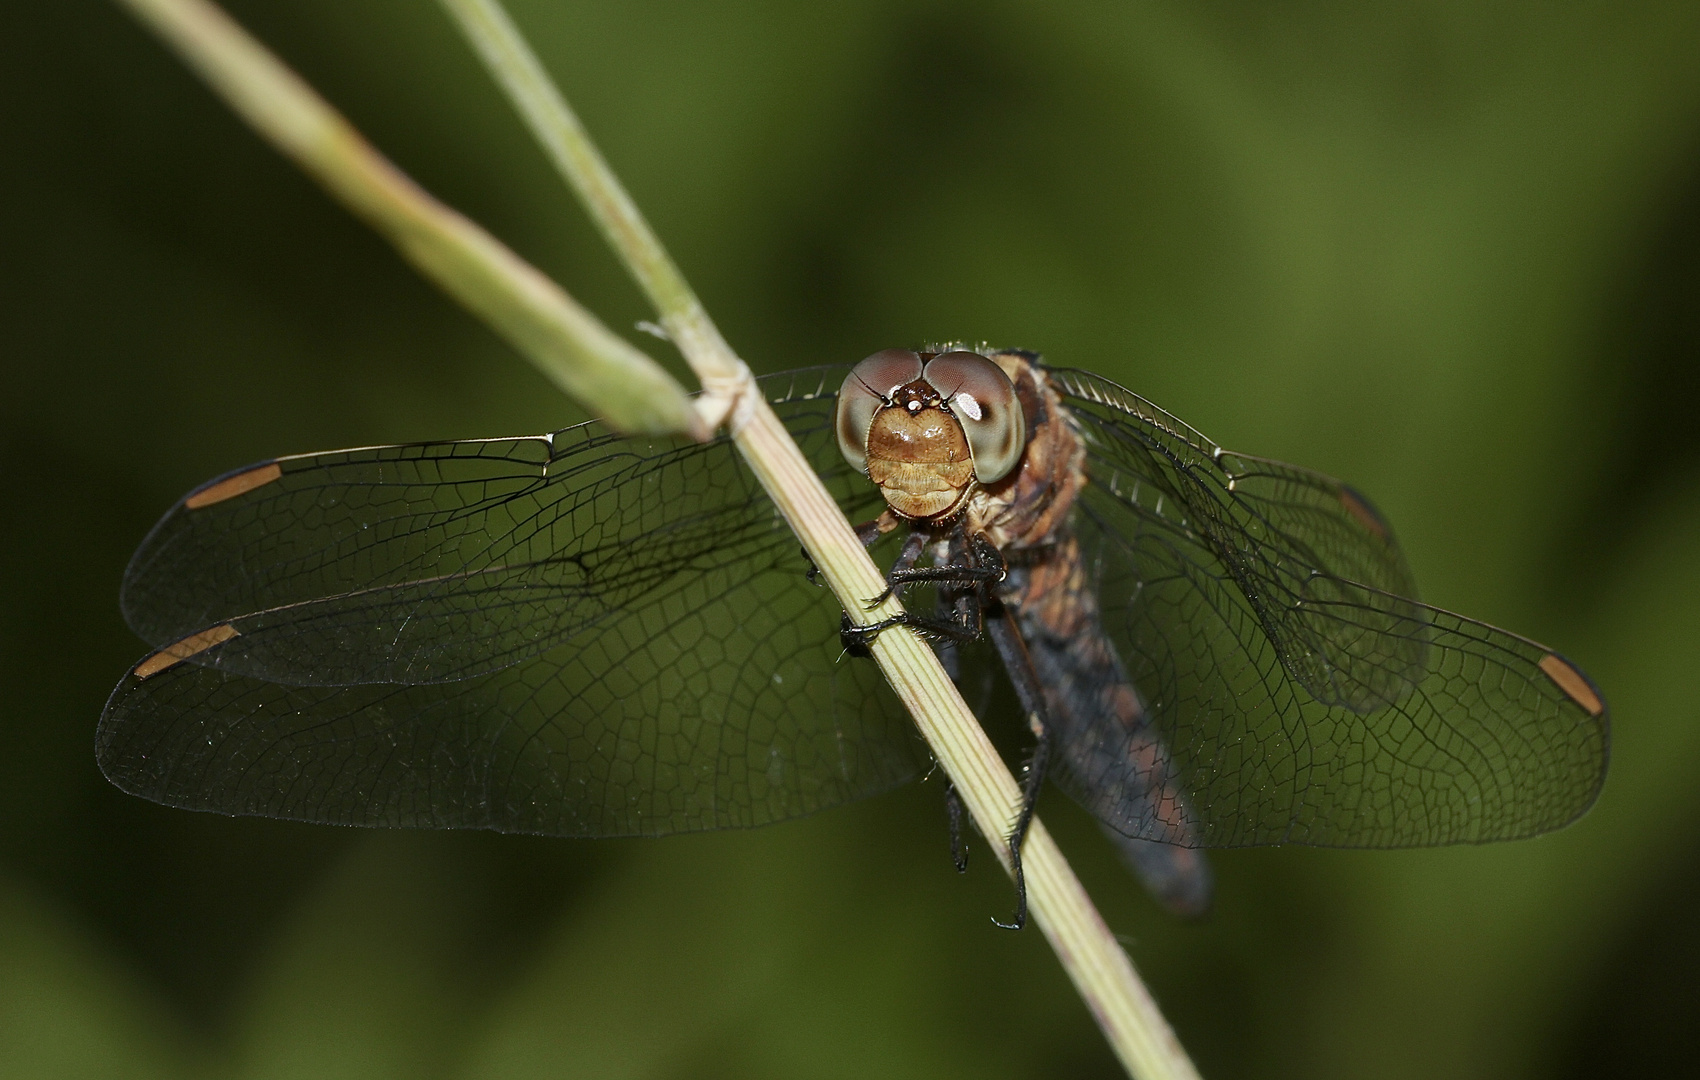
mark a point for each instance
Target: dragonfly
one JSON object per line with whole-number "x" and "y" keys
{"x": 591, "y": 634}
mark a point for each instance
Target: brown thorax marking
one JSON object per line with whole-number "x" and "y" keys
{"x": 919, "y": 456}
{"x": 1029, "y": 507}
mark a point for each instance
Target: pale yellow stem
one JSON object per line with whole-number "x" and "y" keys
{"x": 566, "y": 342}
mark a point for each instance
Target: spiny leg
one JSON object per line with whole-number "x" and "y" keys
{"x": 984, "y": 567}
{"x": 901, "y": 567}
{"x": 856, "y": 638}
{"x": 969, "y": 595}
{"x": 974, "y": 565}
{"x": 958, "y": 845}
{"x": 1012, "y": 649}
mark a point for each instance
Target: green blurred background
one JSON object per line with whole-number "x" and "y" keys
{"x": 1450, "y": 251}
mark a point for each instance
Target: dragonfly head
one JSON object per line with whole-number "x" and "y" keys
{"x": 928, "y": 427}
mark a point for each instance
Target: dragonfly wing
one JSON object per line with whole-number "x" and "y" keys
{"x": 441, "y": 561}
{"x": 1331, "y": 524}
{"x": 1297, "y": 543}
{"x": 687, "y": 676}
{"x": 721, "y": 702}
{"x": 1497, "y": 737}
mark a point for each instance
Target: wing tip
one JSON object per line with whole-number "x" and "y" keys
{"x": 1365, "y": 512}
{"x": 1575, "y": 684}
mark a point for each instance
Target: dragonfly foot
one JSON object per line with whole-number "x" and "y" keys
{"x": 953, "y": 807}
{"x": 856, "y": 639}
{"x": 1020, "y": 920}
{"x": 813, "y": 573}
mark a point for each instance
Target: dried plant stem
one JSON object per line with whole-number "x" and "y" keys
{"x": 566, "y": 342}
{"x": 585, "y": 358}
{"x": 555, "y": 125}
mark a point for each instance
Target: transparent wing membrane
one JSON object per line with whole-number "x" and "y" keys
{"x": 586, "y": 634}
{"x": 1286, "y": 702}
{"x": 440, "y": 561}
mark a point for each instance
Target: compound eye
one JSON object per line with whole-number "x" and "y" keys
{"x": 866, "y": 390}
{"x": 983, "y": 399}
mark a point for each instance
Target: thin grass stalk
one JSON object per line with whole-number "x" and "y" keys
{"x": 566, "y": 342}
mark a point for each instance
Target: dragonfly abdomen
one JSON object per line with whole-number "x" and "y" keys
{"x": 1109, "y": 756}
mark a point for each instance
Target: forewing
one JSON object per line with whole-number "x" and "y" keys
{"x": 1430, "y": 728}
{"x": 440, "y": 561}
{"x": 688, "y": 676}
{"x": 1298, "y": 544}
{"x": 1331, "y": 525}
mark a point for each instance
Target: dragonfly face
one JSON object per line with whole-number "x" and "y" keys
{"x": 588, "y": 634}
{"x": 928, "y": 430}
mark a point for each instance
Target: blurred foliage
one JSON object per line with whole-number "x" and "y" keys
{"x": 1450, "y": 251}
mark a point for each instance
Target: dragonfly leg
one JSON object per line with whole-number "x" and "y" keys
{"x": 857, "y": 638}
{"x": 1031, "y": 783}
{"x": 901, "y": 567}
{"x": 953, "y": 575}
{"x": 950, "y": 655}
{"x": 965, "y": 582}
{"x": 958, "y": 846}
{"x": 978, "y": 571}
{"x": 1012, "y": 649}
